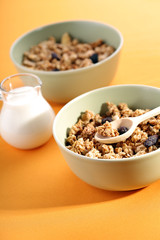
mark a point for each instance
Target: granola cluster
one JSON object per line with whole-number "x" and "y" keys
{"x": 106, "y": 130}
{"x": 67, "y": 54}
{"x": 145, "y": 138}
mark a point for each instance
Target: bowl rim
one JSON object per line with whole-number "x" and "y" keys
{"x": 131, "y": 159}
{"x": 71, "y": 70}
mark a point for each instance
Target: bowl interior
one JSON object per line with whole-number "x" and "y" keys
{"x": 136, "y": 96}
{"x": 86, "y": 31}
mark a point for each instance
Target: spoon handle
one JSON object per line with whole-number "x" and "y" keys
{"x": 148, "y": 115}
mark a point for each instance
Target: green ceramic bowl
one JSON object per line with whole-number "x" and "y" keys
{"x": 118, "y": 174}
{"x": 64, "y": 86}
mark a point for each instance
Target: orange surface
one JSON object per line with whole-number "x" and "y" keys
{"x": 40, "y": 198}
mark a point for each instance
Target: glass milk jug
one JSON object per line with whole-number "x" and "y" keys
{"x": 26, "y": 118}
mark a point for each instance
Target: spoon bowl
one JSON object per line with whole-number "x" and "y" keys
{"x": 116, "y": 124}
{"x": 130, "y": 123}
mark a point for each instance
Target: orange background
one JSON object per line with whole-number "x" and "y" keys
{"x": 40, "y": 198}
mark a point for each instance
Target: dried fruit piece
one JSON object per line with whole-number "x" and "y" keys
{"x": 94, "y": 58}
{"x": 109, "y": 119}
{"x": 54, "y": 56}
{"x": 122, "y": 130}
{"x": 152, "y": 140}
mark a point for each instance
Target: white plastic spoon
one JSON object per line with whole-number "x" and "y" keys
{"x": 130, "y": 123}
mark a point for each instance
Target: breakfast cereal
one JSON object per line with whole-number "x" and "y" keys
{"x": 67, "y": 54}
{"x": 145, "y": 138}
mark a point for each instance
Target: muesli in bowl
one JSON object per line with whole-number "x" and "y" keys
{"x": 81, "y": 136}
{"x": 123, "y": 166}
{"x": 68, "y": 66}
{"x": 66, "y": 54}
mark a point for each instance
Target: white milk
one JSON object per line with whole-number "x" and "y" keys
{"x": 26, "y": 118}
